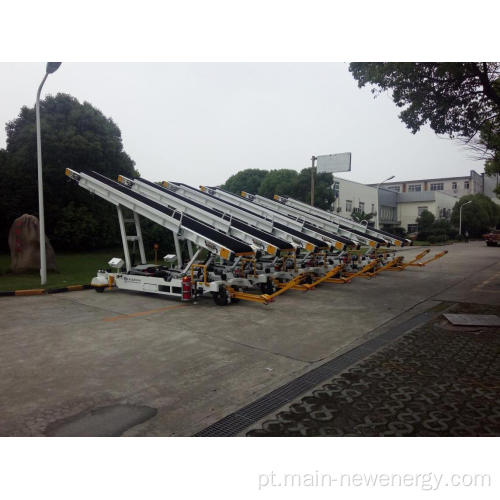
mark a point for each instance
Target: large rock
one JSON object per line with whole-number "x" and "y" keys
{"x": 24, "y": 244}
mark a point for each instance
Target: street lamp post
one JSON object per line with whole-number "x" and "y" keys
{"x": 378, "y": 203}
{"x": 460, "y": 217}
{"x": 50, "y": 68}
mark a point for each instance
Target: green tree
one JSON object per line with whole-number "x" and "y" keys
{"x": 285, "y": 182}
{"x": 425, "y": 220}
{"x": 478, "y": 217}
{"x": 280, "y": 181}
{"x": 323, "y": 192}
{"x": 460, "y": 99}
{"x": 248, "y": 180}
{"x": 76, "y": 136}
{"x": 489, "y": 146}
{"x": 360, "y": 216}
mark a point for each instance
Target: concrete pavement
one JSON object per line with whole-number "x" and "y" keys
{"x": 68, "y": 354}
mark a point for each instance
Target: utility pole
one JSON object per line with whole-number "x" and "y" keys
{"x": 313, "y": 172}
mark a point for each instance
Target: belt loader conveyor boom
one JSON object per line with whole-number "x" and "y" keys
{"x": 315, "y": 221}
{"x": 183, "y": 225}
{"x": 264, "y": 241}
{"x": 304, "y": 207}
{"x": 283, "y": 223}
{"x": 288, "y": 230}
{"x": 324, "y": 233}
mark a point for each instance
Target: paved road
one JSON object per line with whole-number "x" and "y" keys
{"x": 64, "y": 355}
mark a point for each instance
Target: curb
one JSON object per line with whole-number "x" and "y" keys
{"x": 42, "y": 291}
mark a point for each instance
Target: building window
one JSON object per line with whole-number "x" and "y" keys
{"x": 373, "y": 208}
{"x": 413, "y": 188}
{"x": 466, "y": 185}
{"x": 361, "y": 206}
{"x": 336, "y": 189}
{"x": 412, "y": 228}
{"x": 437, "y": 186}
{"x": 453, "y": 185}
{"x": 394, "y": 188}
{"x": 421, "y": 209}
{"x": 348, "y": 205}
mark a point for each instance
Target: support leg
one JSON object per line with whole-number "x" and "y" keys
{"x": 138, "y": 232}
{"x": 178, "y": 251}
{"x": 190, "y": 249}
{"x": 126, "y": 252}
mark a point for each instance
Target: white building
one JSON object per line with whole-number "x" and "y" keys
{"x": 401, "y": 203}
{"x": 356, "y": 197}
{"x": 454, "y": 186}
{"x": 353, "y": 196}
{"x": 411, "y": 205}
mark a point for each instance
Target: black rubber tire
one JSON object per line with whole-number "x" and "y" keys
{"x": 268, "y": 287}
{"x": 99, "y": 289}
{"x": 220, "y": 297}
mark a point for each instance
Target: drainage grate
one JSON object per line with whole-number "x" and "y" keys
{"x": 235, "y": 422}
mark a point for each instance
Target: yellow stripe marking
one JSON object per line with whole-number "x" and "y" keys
{"x": 143, "y": 313}
{"x": 38, "y": 291}
{"x": 485, "y": 282}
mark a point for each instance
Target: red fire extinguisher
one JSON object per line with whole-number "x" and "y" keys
{"x": 186, "y": 288}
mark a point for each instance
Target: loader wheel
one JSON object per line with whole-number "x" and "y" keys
{"x": 220, "y": 297}
{"x": 99, "y": 289}
{"x": 308, "y": 280}
{"x": 268, "y": 288}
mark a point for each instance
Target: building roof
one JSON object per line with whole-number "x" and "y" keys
{"x": 464, "y": 177}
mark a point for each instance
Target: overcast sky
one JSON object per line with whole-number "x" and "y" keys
{"x": 202, "y": 122}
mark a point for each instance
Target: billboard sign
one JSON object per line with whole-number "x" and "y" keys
{"x": 340, "y": 162}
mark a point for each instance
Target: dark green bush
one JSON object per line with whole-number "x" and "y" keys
{"x": 438, "y": 238}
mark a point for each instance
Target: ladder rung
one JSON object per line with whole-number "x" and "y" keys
{"x": 132, "y": 238}
{"x": 129, "y": 220}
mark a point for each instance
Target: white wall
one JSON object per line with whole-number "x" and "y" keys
{"x": 356, "y": 193}
{"x": 408, "y": 211}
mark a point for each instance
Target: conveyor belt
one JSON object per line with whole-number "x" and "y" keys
{"x": 310, "y": 219}
{"x": 311, "y": 227}
{"x": 236, "y": 246}
{"x": 328, "y": 234}
{"x": 237, "y": 223}
{"x": 301, "y": 206}
{"x": 298, "y": 234}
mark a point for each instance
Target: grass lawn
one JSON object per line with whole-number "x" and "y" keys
{"x": 429, "y": 244}
{"x": 73, "y": 269}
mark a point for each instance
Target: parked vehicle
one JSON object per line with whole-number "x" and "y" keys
{"x": 492, "y": 239}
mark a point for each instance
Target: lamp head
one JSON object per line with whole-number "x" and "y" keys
{"x": 52, "y": 67}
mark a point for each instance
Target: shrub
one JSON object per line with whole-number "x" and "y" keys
{"x": 438, "y": 238}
